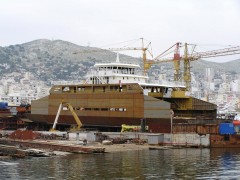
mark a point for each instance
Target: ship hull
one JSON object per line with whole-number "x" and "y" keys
{"x": 103, "y": 106}
{"x": 109, "y": 106}
{"x": 104, "y": 123}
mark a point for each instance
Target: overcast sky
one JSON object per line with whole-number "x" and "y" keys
{"x": 208, "y": 23}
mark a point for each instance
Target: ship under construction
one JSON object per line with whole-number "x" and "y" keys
{"x": 120, "y": 93}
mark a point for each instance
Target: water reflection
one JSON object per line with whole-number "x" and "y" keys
{"x": 147, "y": 164}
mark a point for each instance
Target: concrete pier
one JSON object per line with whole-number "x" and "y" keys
{"x": 53, "y": 146}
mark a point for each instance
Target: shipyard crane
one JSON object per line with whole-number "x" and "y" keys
{"x": 188, "y": 57}
{"x": 144, "y": 48}
{"x": 229, "y": 106}
{"x": 176, "y": 60}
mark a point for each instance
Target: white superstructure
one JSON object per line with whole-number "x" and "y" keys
{"x": 118, "y": 72}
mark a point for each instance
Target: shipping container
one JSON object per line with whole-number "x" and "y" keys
{"x": 3, "y": 105}
{"x": 226, "y": 128}
{"x": 236, "y": 122}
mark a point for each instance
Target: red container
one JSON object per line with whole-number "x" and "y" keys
{"x": 236, "y": 122}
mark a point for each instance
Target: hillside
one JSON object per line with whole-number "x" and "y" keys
{"x": 55, "y": 60}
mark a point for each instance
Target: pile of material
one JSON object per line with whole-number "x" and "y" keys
{"x": 30, "y": 135}
{"x": 24, "y": 135}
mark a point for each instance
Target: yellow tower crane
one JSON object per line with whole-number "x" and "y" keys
{"x": 144, "y": 48}
{"x": 176, "y": 59}
{"x": 187, "y": 58}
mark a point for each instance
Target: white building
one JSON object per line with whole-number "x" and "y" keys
{"x": 209, "y": 74}
{"x": 235, "y": 86}
{"x": 23, "y": 92}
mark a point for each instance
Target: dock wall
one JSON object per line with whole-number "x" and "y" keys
{"x": 186, "y": 140}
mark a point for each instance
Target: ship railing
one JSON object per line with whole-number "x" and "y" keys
{"x": 107, "y": 62}
{"x": 112, "y": 72}
{"x": 168, "y": 83}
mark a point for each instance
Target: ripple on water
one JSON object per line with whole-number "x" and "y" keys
{"x": 147, "y": 164}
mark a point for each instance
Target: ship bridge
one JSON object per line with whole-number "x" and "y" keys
{"x": 116, "y": 72}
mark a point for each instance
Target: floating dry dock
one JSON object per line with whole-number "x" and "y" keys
{"x": 53, "y": 146}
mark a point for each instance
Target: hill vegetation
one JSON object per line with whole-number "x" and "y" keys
{"x": 60, "y": 60}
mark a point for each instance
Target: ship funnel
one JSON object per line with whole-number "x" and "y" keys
{"x": 117, "y": 58}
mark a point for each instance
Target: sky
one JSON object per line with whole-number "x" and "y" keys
{"x": 211, "y": 24}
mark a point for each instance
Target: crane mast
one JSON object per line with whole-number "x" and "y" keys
{"x": 188, "y": 57}
{"x": 176, "y": 60}
{"x": 187, "y": 68}
{"x": 144, "y": 49}
{"x": 198, "y": 55}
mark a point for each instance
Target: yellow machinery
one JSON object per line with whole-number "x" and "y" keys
{"x": 70, "y": 108}
{"x": 132, "y": 128}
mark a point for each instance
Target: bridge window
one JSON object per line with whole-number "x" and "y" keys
{"x": 81, "y": 88}
{"x": 66, "y": 89}
{"x": 121, "y": 109}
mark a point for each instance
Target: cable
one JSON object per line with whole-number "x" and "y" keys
{"x": 118, "y": 43}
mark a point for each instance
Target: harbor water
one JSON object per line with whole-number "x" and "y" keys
{"x": 187, "y": 163}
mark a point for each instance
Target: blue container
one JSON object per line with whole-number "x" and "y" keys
{"x": 3, "y": 105}
{"x": 226, "y": 128}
